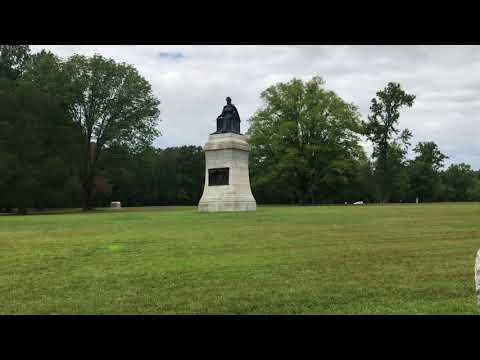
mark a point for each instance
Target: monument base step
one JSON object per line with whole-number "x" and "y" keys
{"x": 220, "y": 206}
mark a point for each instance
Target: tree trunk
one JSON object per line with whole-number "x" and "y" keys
{"x": 303, "y": 198}
{"x": 88, "y": 193}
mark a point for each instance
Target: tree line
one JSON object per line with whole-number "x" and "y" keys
{"x": 78, "y": 132}
{"x": 306, "y": 149}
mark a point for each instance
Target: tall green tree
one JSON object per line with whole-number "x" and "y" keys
{"x": 458, "y": 181}
{"x": 398, "y": 179}
{"x": 382, "y": 130}
{"x": 110, "y": 103}
{"x": 35, "y": 138}
{"x": 304, "y": 139}
{"x": 34, "y": 147}
{"x": 424, "y": 171}
{"x": 13, "y": 60}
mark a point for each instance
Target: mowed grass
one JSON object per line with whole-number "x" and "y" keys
{"x": 399, "y": 259}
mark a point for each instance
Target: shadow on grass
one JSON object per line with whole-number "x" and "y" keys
{"x": 46, "y": 212}
{"x": 98, "y": 210}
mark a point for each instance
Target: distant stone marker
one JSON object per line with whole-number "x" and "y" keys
{"x": 477, "y": 279}
{"x": 115, "y": 204}
{"x": 227, "y": 182}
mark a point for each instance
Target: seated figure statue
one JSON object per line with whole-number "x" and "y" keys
{"x": 229, "y": 119}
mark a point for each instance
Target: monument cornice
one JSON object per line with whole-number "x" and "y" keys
{"x": 227, "y": 141}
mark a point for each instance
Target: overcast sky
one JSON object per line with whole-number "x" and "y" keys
{"x": 192, "y": 83}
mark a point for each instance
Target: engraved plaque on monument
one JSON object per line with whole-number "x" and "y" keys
{"x": 217, "y": 177}
{"x": 227, "y": 181}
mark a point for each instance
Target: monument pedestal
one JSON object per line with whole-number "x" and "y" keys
{"x": 227, "y": 181}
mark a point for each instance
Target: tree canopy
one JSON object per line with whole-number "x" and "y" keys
{"x": 305, "y": 139}
{"x": 382, "y": 130}
{"x": 35, "y": 151}
{"x": 13, "y": 59}
{"x": 424, "y": 170}
{"x": 110, "y": 104}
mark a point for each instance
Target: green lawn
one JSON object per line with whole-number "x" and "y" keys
{"x": 398, "y": 259}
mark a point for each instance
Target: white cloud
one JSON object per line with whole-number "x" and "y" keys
{"x": 193, "y": 82}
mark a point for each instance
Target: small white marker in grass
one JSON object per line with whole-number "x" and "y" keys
{"x": 115, "y": 204}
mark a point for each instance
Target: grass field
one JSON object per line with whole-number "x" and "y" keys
{"x": 398, "y": 259}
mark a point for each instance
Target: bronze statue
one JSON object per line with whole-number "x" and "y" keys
{"x": 229, "y": 119}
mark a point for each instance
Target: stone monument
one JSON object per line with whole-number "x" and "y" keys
{"x": 115, "y": 204}
{"x": 227, "y": 181}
